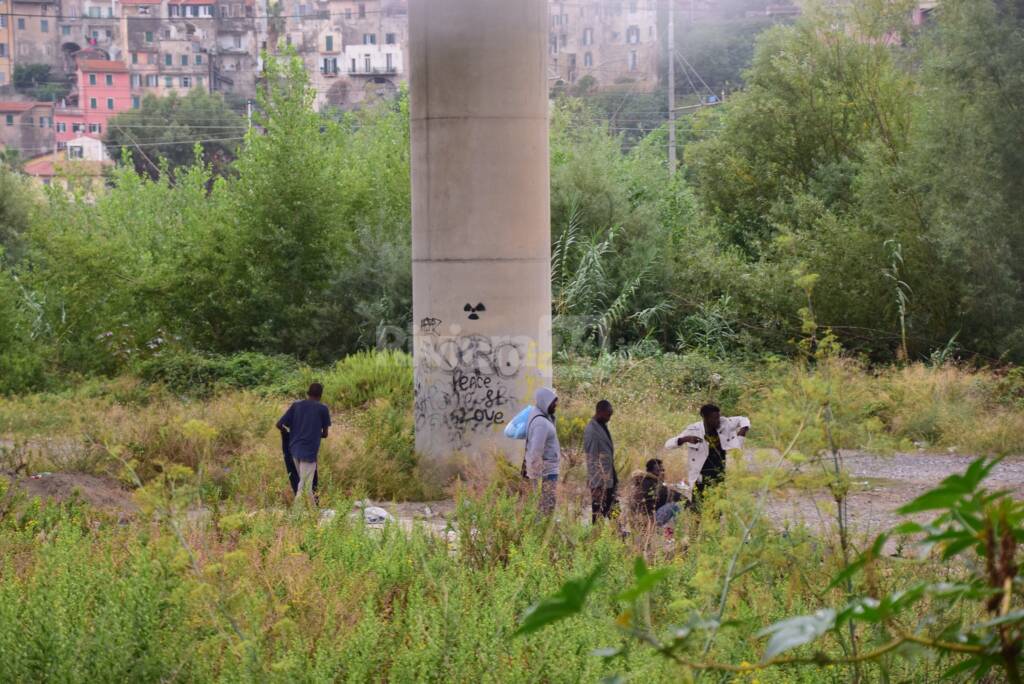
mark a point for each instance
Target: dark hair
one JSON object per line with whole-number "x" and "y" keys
{"x": 652, "y": 464}
{"x": 604, "y": 405}
{"x": 316, "y": 390}
{"x": 707, "y": 409}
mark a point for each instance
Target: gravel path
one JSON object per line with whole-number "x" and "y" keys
{"x": 884, "y": 483}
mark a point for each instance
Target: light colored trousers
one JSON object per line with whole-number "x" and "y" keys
{"x": 307, "y": 469}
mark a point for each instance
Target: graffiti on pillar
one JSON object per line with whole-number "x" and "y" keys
{"x": 430, "y": 326}
{"x": 474, "y": 311}
{"x": 467, "y": 384}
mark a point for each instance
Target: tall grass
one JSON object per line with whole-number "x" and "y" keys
{"x": 274, "y": 598}
{"x": 99, "y": 426}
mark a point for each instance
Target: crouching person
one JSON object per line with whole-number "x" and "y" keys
{"x": 542, "y": 449}
{"x": 650, "y": 499}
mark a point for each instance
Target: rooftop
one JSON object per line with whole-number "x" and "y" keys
{"x": 49, "y": 165}
{"x": 14, "y": 107}
{"x": 102, "y": 65}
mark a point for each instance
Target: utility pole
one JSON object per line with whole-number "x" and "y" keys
{"x": 671, "y": 89}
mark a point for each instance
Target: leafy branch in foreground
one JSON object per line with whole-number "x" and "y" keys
{"x": 981, "y": 529}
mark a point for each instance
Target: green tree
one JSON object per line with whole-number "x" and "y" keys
{"x": 970, "y": 156}
{"x": 16, "y": 203}
{"x": 164, "y": 131}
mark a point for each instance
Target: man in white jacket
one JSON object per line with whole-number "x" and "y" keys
{"x": 707, "y": 442}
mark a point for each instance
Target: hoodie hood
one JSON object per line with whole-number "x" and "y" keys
{"x": 544, "y": 398}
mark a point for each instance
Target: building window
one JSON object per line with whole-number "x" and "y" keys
{"x": 390, "y": 62}
{"x": 184, "y": 60}
{"x": 329, "y": 43}
{"x": 186, "y": 82}
{"x": 199, "y": 81}
{"x": 44, "y": 26}
{"x": 135, "y": 101}
{"x": 588, "y": 59}
{"x": 76, "y": 127}
{"x": 362, "y": 11}
{"x": 151, "y": 58}
{"x": 369, "y": 39}
{"x": 354, "y": 69}
{"x": 136, "y": 80}
{"x": 135, "y": 58}
{"x": 149, "y": 36}
{"x": 633, "y": 35}
{"x": 28, "y": 120}
{"x": 92, "y": 79}
{"x": 94, "y": 128}
{"x": 199, "y": 59}
{"x": 168, "y": 60}
{"x": 3, "y": 21}
{"x": 3, "y": 49}
{"x": 110, "y": 103}
{"x": 389, "y": 38}
{"x": 65, "y": 30}
{"x": 632, "y": 60}
{"x": 238, "y": 41}
{"x": 563, "y": 40}
{"x": 558, "y": 19}
{"x": 9, "y": 119}
{"x": 348, "y": 12}
{"x": 21, "y": 23}
{"x": 152, "y": 80}
{"x": 173, "y": 10}
{"x": 168, "y": 82}
{"x": 553, "y": 44}
{"x": 224, "y": 11}
{"x": 94, "y": 12}
{"x": 330, "y": 65}
{"x": 588, "y": 36}
{"x": 75, "y": 152}
{"x": 110, "y": 79}
{"x": 632, "y": 6}
{"x": 368, "y": 64}
{"x": 62, "y": 127}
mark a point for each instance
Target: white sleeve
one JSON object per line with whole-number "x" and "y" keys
{"x": 673, "y": 443}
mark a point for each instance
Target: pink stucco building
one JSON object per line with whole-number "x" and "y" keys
{"x": 103, "y": 90}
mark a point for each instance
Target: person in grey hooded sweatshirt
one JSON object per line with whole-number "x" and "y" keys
{"x": 542, "y": 449}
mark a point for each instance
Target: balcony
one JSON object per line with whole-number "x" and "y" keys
{"x": 329, "y": 73}
{"x": 373, "y": 71}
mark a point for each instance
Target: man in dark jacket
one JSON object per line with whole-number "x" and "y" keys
{"x": 650, "y": 497}
{"x": 306, "y": 423}
{"x": 600, "y": 450}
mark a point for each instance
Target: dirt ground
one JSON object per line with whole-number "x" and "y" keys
{"x": 102, "y": 493}
{"x": 881, "y": 485}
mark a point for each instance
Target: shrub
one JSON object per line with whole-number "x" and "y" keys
{"x": 363, "y": 377}
{"x": 192, "y": 373}
{"x": 383, "y": 463}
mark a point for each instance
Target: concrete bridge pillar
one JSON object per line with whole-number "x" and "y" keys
{"x": 480, "y": 220}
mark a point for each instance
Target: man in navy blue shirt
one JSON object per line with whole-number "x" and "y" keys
{"x": 306, "y": 423}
